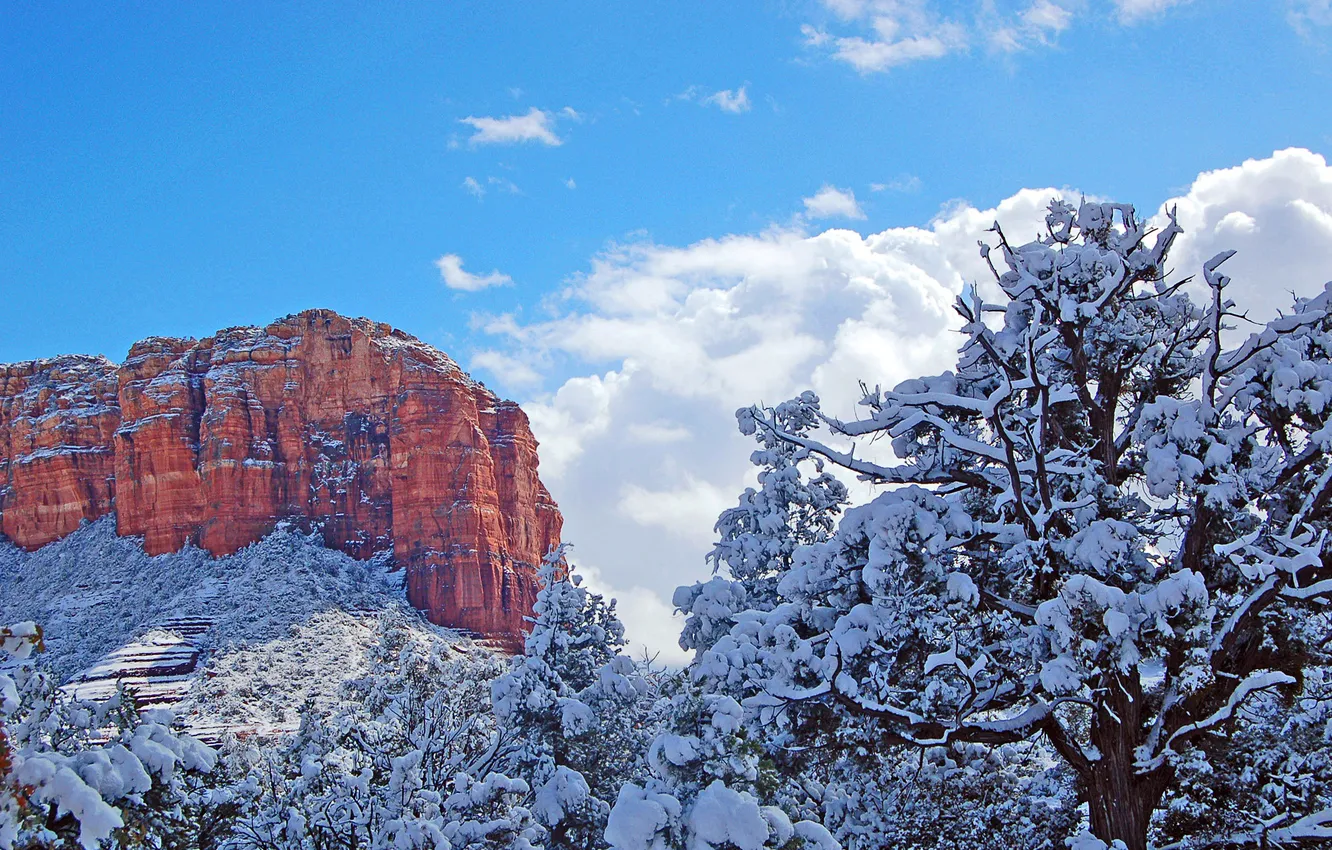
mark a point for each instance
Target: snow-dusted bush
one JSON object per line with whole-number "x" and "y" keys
{"x": 1103, "y": 535}
{"x": 409, "y": 761}
{"x": 83, "y": 774}
{"x": 573, "y": 709}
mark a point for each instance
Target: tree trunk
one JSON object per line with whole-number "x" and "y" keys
{"x": 1120, "y": 800}
{"x": 1121, "y": 806}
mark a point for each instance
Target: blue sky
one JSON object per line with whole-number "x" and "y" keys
{"x": 173, "y": 168}
{"x": 634, "y": 217}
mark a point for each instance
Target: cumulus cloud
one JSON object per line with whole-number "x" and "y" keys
{"x": 641, "y": 449}
{"x": 658, "y": 432}
{"x": 473, "y": 187}
{"x": 1276, "y": 213}
{"x": 688, "y": 511}
{"x": 662, "y": 343}
{"x": 451, "y": 272}
{"x": 831, "y": 202}
{"x": 536, "y": 125}
{"x": 573, "y": 417}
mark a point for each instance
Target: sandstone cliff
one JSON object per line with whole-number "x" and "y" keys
{"x": 340, "y": 424}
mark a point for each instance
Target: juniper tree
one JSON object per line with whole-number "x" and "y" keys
{"x": 1104, "y": 530}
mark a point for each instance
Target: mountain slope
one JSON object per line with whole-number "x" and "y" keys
{"x": 345, "y": 426}
{"x": 240, "y": 642}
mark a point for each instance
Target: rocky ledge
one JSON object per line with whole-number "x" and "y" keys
{"x": 342, "y": 425}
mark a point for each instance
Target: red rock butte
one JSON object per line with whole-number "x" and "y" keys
{"x": 343, "y": 425}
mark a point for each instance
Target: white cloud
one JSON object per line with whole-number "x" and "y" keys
{"x": 514, "y": 372}
{"x": 1306, "y": 14}
{"x": 727, "y": 100}
{"x": 638, "y": 440}
{"x": 730, "y": 101}
{"x": 687, "y": 511}
{"x": 658, "y": 432}
{"x": 570, "y": 183}
{"x": 884, "y": 53}
{"x": 878, "y": 35}
{"x": 641, "y": 449}
{"x": 536, "y": 125}
{"x": 451, "y": 272}
{"x": 901, "y": 183}
{"x": 831, "y": 202}
{"x": 576, "y": 415}
{"x": 504, "y": 184}
{"x": 897, "y": 32}
{"x": 1276, "y": 213}
{"x": 1238, "y": 222}
{"x": 1132, "y": 11}
{"x": 477, "y": 189}
{"x": 1038, "y": 24}
{"x": 1047, "y": 16}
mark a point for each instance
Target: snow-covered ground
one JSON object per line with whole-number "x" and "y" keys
{"x": 240, "y": 642}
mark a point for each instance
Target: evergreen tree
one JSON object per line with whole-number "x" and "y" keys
{"x": 1103, "y": 533}
{"x": 572, "y": 706}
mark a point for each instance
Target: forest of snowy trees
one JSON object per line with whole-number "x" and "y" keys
{"x": 1088, "y": 606}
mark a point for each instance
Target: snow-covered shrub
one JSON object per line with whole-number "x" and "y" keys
{"x": 84, "y": 774}
{"x": 94, "y": 591}
{"x": 409, "y": 761}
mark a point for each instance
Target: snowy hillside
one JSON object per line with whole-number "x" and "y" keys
{"x": 238, "y": 642}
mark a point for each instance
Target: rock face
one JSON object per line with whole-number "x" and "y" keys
{"x": 340, "y": 424}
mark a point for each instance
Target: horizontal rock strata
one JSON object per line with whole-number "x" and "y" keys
{"x": 344, "y": 425}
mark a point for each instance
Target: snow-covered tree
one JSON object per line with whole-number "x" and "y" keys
{"x": 709, "y": 786}
{"x": 825, "y": 766}
{"x": 710, "y": 783}
{"x": 84, "y": 774}
{"x": 1269, "y": 784}
{"x": 759, "y": 536}
{"x": 409, "y": 761}
{"x": 572, "y": 708}
{"x": 1104, "y": 531}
